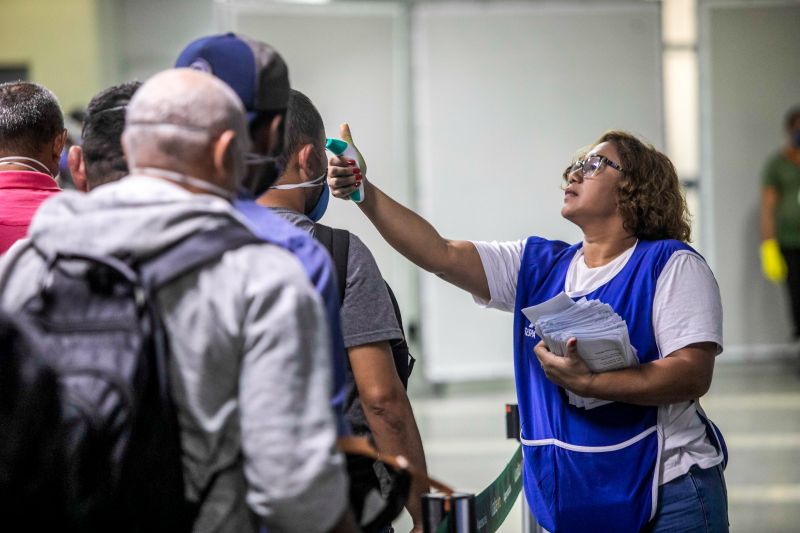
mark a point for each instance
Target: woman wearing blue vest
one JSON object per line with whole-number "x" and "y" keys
{"x": 650, "y": 461}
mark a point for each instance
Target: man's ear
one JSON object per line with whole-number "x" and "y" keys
{"x": 303, "y": 158}
{"x": 77, "y": 167}
{"x": 58, "y": 146}
{"x": 223, "y": 154}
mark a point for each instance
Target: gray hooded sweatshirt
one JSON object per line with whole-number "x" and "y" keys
{"x": 250, "y": 368}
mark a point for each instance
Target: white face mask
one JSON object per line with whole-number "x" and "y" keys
{"x": 316, "y": 182}
{"x": 185, "y": 179}
{"x": 18, "y": 161}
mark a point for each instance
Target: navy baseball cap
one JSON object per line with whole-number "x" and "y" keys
{"x": 253, "y": 69}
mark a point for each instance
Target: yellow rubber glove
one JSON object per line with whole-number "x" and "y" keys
{"x": 772, "y": 263}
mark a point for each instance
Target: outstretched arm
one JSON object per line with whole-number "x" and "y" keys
{"x": 457, "y": 262}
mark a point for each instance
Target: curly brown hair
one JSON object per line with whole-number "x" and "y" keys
{"x": 649, "y": 195}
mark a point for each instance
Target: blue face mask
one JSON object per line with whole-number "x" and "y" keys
{"x": 796, "y": 138}
{"x": 321, "y": 205}
{"x": 322, "y": 202}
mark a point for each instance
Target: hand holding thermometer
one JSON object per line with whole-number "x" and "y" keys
{"x": 347, "y": 149}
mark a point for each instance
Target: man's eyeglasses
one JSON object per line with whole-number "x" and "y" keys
{"x": 590, "y": 166}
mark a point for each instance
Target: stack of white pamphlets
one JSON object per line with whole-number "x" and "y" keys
{"x": 602, "y": 336}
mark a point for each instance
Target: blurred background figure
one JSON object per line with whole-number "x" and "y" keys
{"x": 780, "y": 216}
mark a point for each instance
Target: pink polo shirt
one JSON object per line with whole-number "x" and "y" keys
{"x": 21, "y": 193}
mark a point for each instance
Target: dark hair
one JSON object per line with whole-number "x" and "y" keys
{"x": 791, "y": 117}
{"x": 30, "y": 118}
{"x": 32, "y": 468}
{"x": 649, "y": 194}
{"x": 304, "y": 125}
{"x": 102, "y": 131}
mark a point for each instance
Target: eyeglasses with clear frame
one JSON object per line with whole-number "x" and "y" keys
{"x": 590, "y": 166}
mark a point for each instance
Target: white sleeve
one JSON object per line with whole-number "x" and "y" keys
{"x": 501, "y": 263}
{"x": 687, "y": 308}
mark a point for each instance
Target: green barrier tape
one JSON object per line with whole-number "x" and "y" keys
{"x": 444, "y": 526}
{"x": 494, "y": 503}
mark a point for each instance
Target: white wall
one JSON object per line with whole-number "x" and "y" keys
{"x": 750, "y": 76}
{"x": 505, "y": 94}
{"x": 149, "y": 34}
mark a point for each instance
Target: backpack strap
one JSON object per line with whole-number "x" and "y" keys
{"x": 193, "y": 252}
{"x": 403, "y": 360}
{"x": 337, "y": 242}
{"x": 395, "y": 305}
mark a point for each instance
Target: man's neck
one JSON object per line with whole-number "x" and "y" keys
{"x": 293, "y": 199}
{"x": 11, "y": 167}
{"x": 23, "y": 164}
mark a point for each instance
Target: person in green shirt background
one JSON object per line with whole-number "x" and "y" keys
{"x": 780, "y": 216}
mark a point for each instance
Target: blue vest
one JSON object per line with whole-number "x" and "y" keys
{"x": 588, "y": 470}
{"x": 317, "y": 263}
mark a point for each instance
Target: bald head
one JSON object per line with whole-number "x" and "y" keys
{"x": 176, "y": 118}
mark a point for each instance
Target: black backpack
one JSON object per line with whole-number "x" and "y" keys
{"x": 377, "y": 491}
{"x": 100, "y": 319}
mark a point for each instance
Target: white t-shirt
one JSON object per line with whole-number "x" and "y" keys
{"x": 686, "y": 309}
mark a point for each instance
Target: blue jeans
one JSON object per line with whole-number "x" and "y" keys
{"x": 695, "y": 502}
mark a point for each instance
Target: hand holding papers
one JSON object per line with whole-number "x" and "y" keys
{"x": 602, "y": 336}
